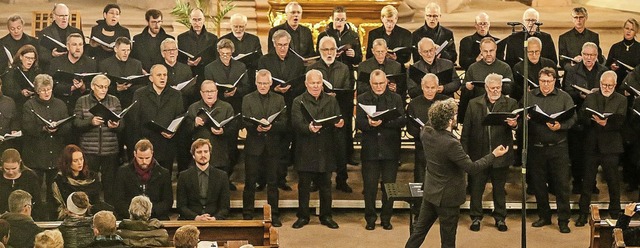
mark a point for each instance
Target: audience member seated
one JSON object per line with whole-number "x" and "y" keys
{"x": 5, "y": 230}
{"x": 15, "y": 175}
{"x": 74, "y": 175}
{"x": 140, "y": 230}
{"x": 76, "y": 226}
{"x": 49, "y": 239}
{"x": 631, "y": 235}
{"x": 186, "y": 237}
{"x": 19, "y": 218}
{"x": 104, "y": 229}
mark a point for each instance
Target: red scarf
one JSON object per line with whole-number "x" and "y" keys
{"x": 143, "y": 175}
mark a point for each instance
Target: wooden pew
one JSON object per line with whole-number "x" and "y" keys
{"x": 601, "y": 232}
{"x": 259, "y": 233}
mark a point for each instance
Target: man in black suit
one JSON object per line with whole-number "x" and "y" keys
{"x": 436, "y": 32}
{"x": 147, "y": 43}
{"x": 394, "y": 35}
{"x": 15, "y": 39}
{"x": 59, "y": 30}
{"x": 444, "y": 183}
{"x": 123, "y": 65}
{"x": 198, "y": 42}
{"x": 603, "y": 143}
{"x": 261, "y": 146}
{"x": 315, "y": 142}
{"x": 244, "y": 43}
{"x": 570, "y": 43}
{"x": 379, "y": 60}
{"x": 301, "y": 38}
{"x": 203, "y": 190}
{"x": 514, "y": 48}
{"x": 430, "y": 63}
{"x": 470, "y": 45}
{"x": 144, "y": 176}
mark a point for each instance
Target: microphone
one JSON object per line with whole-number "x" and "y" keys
{"x": 538, "y": 23}
{"x": 513, "y": 23}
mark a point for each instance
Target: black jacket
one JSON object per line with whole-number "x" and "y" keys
{"x": 629, "y": 56}
{"x": 53, "y": 31}
{"x": 62, "y": 89}
{"x": 287, "y": 69}
{"x": 515, "y": 49}
{"x": 400, "y": 37}
{"x": 217, "y": 202}
{"x": 389, "y": 67}
{"x": 42, "y": 148}
{"x": 23, "y": 229}
{"x": 147, "y": 48}
{"x": 470, "y": 49}
{"x": 439, "y": 65}
{"x": 577, "y": 75}
{"x": 158, "y": 189}
{"x": 96, "y": 140}
{"x": 98, "y": 53}
{"x": 222, "y": 74}
{"x": 194, "y": 44}
{"x": 607, "y": 139}
{"x": 439, "y": 35}
{"x": 258, "y": 106}
{"x": 347, "y": 36}
{"x": 381, "y": 142}
{"x": 24, "y": 182}
{"x": 570, "y": 45}
{"x": 219, "y": 143}
{"x": 114, "y": 67}
{"x": 517, "y": 89}
{"x": 301, "y": 39}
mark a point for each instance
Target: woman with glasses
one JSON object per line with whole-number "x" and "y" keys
{"x": 19, "y": 80}
{"x": 104, "y": 35}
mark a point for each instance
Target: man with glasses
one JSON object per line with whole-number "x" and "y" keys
{"x": 301, "y": 39}
{"x": 346, "y": 38}
{"x": 58, "y": 30}
{"x": 436, "y": 32}
{"x": 337, "y": 74}
{"x": 15, "y": 39}
{"x": 548, "y": 150}
{"x": 378, "y": 60}
{"x": 244, "y": 43}
{"x": 261, "y": 150}
{"x": 199, "y": 43}
{"x": 584, "y": 75}
{"x": 147, "y": 43}
{"x": 570, "y": 43}
{"x": 177, "y": 72}
{"x": 430, "y": 63}
{"x": 514, "y": 43}
{"x": 469, "y": 46}
{"x": 603, "y": 143}
{"x": 23, "y": 229}
{"x": 535, "y": 63}
{"x": 75, "y": 61}
{"x": 99, "y": 137}
{"x": 285, "y": 66}
{"x": 394, "y": 36}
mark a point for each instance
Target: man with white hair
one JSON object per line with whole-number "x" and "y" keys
{"x": 603, "y": 143}
{"x": 340, "y": 30}
{"x": 59, "y": 30}
{"x": 244, "y": 43}
{"x": 470, "y": 45}
{"x": 315, "y": 147}
{"x": 379, "y": 60}
{"x": 477, "y": 140}
{"x": 535, "y": 63}
{"x": 337, "y": 74}
{"x": 439, "y": 34}
{"x": 301, "y": 38}
{"x": 430, "y": 63}
{"x": 514, "y": 48}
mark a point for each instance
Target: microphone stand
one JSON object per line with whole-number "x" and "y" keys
{"x": 525, "y": 127}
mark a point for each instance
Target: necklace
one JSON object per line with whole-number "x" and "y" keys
{"x": 628, "y": 46}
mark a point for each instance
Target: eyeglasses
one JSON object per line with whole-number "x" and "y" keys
{"x": 536, "y": 52}
{"x": 282, "y": 44}
{"x": 170, "y": 50}
{"x": 530, "y": 20}
{"x": 380, "y": 52}
{"x": 378, "y": 84}
{"x": 209, "y": 91}
{"x": 432, "y": 16}
{"x": 547, "y": 82}
{"x": 608, "y": 86}
{"x": 47, "y": 90}
{"x": 483, "y": 24}
{"x": 102, "y": 87}
{"x": 589, "y": 55}
{"x": 225, "y": 54}
{"x": 263, "y": 83}
{"x": 330, "y": 49}
{"x": 29, "y": 58}
{"x": 430, "y": 51}
{"x": 340, "y": 20}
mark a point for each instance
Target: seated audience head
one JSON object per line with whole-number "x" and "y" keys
{"x": 547, "y": 80}
{"x": 140, "y": 208}
{"x": 20, "y": 202}
{"x": 169, "y": 50}
{"x": 263, "y": 81}
{"x": 442, "y": 114}
{"x": 104, "y": 223}
{"x": 196, "y": 19}
{"x": 72, "y": 163}
{"x": 26, "y": 57}
{"x": 238, "y": 23}
{"x": 378, "y": 81}
{"x": 111, "y": 14}
{"x": 608, "y": 82}
{"x": 100, "y": 86}
{"x": 630, "y": 28}
{"x": 328, "y": 50}
{"x": 122, "y": 48}
{"x": 154, "y": 21}
{"x": 143, "y": 154}
{"x": 533, "y": 49}
{"x": 49, "y": 239}
{"x": 429, "y": 85}
{"x": 488, "y": 49}
{"x": 158, "y": 77}
{"x": 432, "y": 14}
{"x": 15, "y": 25}
{"x": 427, "y": 50}
{"x": 186, "y": 236}
{"x": 281, "y": 40}
{"x": 589, "y": 54}
{"x": 60, "y": 14}
{"x": 78, "y": 203}
{"x": 389, "y": 17}
{"x": 482, "y": 24}
{"x": 379, "y": 50}
{"x": 12, "y": 166}
{"x": 293, "y": 11}
{"x": 75, "y": 46}
{"x": 209, "y": 92}
{"x": 5, "y": 231}
{"x": 201, "y": 152}
{"x": 313, "y": 82}
{"x": 43, "y": 85}
{"x": 225, "y": 50}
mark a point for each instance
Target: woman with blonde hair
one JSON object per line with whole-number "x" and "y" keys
{"x": 49, "y": 239}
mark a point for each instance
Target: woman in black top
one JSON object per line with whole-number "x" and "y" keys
{"x": 626, "y": 51}
{"x": 19, "y": 80}
{"x": 104, "y": 35}
{"x": 15, "y": 175}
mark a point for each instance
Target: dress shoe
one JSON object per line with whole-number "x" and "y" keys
{"x": 344, "y": 187}
{"x": 582, "y": 220}
{"x": 275, "y": 221}
{"x": 501, "y": 225}
{"x": 328, "y": 221}
{"x": 285, "y": 187}
{"x": 370, "y": 226}
{"x": 541, "y": 223}
{"x": 232, "y": 187}
{"x": 475, "y": 225}
{"x": 564, "y": 227}
{"x": 386, "y": 225}
{"x": 300, "y": 223}
{"x": 260, "y": 187}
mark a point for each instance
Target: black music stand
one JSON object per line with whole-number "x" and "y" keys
{"x": 403, "y": 192}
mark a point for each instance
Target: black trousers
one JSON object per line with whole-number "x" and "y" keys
{"x": 323, "y": 181}
{"x": 609, "y": 164}
{"x": 287, "y": 146}
{"x": 267, "y": 165}
{"x": 478, "y": 181}
{"x": 107, "y": 165}
{"x": 428, "y": 214}
{"x": 373, "y": 171}
{"x": 344, "y": 142}
{"x": 554, "y": 161}
{"x": 419, "y": 169}
{"x": 576, "y": 155}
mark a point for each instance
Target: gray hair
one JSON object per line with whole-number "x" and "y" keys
{"x": 264, "y": 73}
{"x": 380, "y": 42}
{"x": 100, "y": 78}
{"x": 18, "y": 199}
{"x": 42, "y": 80}
{"x": 279, "y": 34}
{"x": 425, "y": 39}
{"x": 609, "y": 74}
{"x": 493, "y": 78}
{"x": 226, "y": 43}
{"x": 140, "y": 208}
{"x": 166, "y": 42}
{"x": 429, "y": 77}
{"x": 589, "y": 44}
{"x": 535, "y": 40}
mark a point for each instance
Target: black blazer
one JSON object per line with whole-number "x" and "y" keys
{"x": 218, "y": 201}
{"x": 158, "y": 189}
{"x": 258, "y": 142}
{"x": 607, "y": 139}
